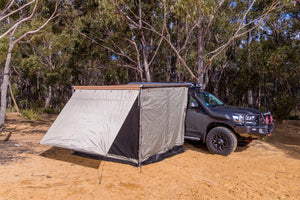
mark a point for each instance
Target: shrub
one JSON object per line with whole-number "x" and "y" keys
{"x": 31, "y": 114}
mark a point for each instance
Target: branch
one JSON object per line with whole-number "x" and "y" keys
{"x": 137, "y": 53}
{"x": 117, "y": 65}
{"x": 165, "y": 21}
{"x": 236, "y": 35}
{"x": 121, "y": 53}
{"x": 139, "y": 26}
{"x": 136, "y": 25}
{"x": 105, "y": 47}
{"x": 35, "y": 31}
{"x": 151, "y": 28}
{"x": 156, "y": 50}
{"x": 128, "y": 66}
{"x": 214, "y": 16}
{"x": 6, "y": 8}
{"x": 244, "y": 17}
{"x": 172, "y": 46}
{"x": 9, "y": 14}
{"x": 160, "y": 41}
{"x": 188, "y": 36}
{"x": 16, "y": 71}
{"x": 21, "y": 21}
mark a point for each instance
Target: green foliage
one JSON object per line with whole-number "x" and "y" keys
{"x": 93, "y": 42}
{"x": 31, "y": 114}
{"x": 3, "y": 49}
{"x": 50, "y": 111}
{"x": 193, "y": 9}
{"x": 282, "y": 104}
{"x": 274, "y": 69}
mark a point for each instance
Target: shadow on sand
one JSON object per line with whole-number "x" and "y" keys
{"x": 201, "y": 147}
{"x": 66, "y": 156}
{"x": 196, "y": 146}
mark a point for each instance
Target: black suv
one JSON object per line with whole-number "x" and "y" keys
{"x": 220, "y": 126}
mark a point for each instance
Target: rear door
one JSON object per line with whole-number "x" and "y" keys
{"x": 196, "y": 120}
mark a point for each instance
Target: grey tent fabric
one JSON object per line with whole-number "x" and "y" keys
{"x": 91, "y": 120}
{"x": 162, "y": 119}
{"x": 96, "y": 120}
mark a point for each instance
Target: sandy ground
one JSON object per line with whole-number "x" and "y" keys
{"x": 268, "y": 169}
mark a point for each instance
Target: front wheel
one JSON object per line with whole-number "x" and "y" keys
{"x": 221, "y": 141}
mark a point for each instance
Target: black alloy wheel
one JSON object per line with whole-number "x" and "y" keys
{"x": 221, "y": 140}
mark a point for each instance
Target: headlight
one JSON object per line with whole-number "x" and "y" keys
{"x": 238, "y": 118}
{"x": 251, "y": 118}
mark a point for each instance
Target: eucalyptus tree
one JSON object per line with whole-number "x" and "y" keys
{"x": 16, "y": 34}
{"x": 42, "y": 69}
{"x": 275, "y": 66}
{"x": 201, "y": 16}
{"x": 111, "y": 27}
{"x": 280, "y": 45}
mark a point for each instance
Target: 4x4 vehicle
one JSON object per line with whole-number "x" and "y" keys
{"x": 220, "y": 126}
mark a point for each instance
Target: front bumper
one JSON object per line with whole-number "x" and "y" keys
{"x": 254, "y": 131}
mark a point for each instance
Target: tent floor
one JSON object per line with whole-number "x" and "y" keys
{"x": 155, "y": 158}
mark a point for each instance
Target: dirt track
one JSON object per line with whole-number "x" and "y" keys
{"x": 265, "y": 170}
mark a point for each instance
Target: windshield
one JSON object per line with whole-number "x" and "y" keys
{"x": 209, "y": 99}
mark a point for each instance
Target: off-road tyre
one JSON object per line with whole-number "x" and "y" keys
{"x": 221, "y": 140}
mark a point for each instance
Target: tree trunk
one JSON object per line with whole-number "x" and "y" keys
{"x": 144, "y": 46}
{"x": 250, "y": 98}
{"x": 177, "y": 62}
{"x": 4, "y": 85}
{"x": 147, "y": 70}
{"x": 48, "y": 98}
{"x": 145, "y": 56}
{"x": 13, "y": 98}
{"x": 250, "y": 92}
{"x": 200, "y": 58}
{"x": 259, "y": 94}
{"x": 215, "y": 80}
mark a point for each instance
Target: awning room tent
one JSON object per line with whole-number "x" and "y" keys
{"x": 135, "y": 123}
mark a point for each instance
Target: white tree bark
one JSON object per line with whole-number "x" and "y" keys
{"x": 12, "y": 44}
{"x": 22, "y": 20}
{"x": 49, "y": 97}
{"x": 5, "y": 83}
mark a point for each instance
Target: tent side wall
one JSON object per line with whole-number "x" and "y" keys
{"x": 91, "y": 120}
{"x": 162, "y": 121}
{"x": 126, "y": 143}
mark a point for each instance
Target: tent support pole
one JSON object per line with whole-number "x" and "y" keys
{"x": 140, "y": 130}
{"x": 100, "y": 175}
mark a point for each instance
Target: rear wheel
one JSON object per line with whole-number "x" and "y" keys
{"x": 221, "y": 140}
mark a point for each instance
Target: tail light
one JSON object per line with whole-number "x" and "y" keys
{"x": 271, "y": 118}
{"x": 267, "y": 120}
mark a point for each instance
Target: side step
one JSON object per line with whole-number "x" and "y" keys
{"x": 192, "y": 138}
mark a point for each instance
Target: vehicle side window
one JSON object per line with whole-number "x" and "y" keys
{"x": 192, "y": 102}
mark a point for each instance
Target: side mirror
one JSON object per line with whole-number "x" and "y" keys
{"x": 194, "y": 105}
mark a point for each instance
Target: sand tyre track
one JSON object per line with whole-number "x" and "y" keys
{"x": 221, "y": 140}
